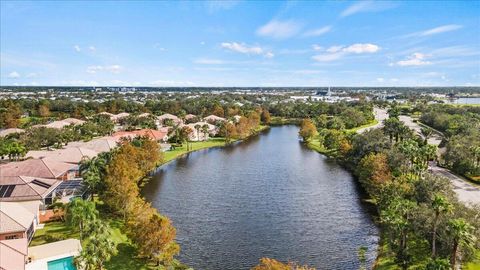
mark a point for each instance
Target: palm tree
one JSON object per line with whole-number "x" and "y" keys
{"x": 440, "y": 205}
{"x": 80, "y": 212}
{"x": 205, "y": 129}
{"x": 197, "y": 128}
{"x": 99, "y": 248}
{"x": 461, "y": 231}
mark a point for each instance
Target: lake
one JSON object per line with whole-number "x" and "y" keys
{"x": 269, "y": 196}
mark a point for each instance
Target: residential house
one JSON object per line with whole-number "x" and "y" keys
{"x": 16, "y": 222}
{"x": 62, "y": 123}
{"x": 162, "y": 118}
{"x": 68, "y": 155}
{"x": 199, "y": 135}
{"x": 156, "y": 135}
{"x": 99, "y": 145}
{"x": 212, "y": 119}
{"x": 13, "y": 253}
{"x": 41, "y": 168}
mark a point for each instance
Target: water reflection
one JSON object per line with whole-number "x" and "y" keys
{"x": 268, "y": 196}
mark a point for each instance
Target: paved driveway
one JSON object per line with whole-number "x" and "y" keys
{"x": 380, "y": 115}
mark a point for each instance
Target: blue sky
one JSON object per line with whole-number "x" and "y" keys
{"x": 240, "y": 43}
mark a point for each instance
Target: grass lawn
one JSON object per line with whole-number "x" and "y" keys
{"x": 373, "y": 123}
{"x": 53, "y": 231}
{"x": 173, "y": 154}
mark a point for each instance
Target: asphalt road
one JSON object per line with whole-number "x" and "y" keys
{"x": 466, "y": 192}
{"x": 380, "y": 115}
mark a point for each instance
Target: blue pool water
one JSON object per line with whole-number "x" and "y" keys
{"x": 62, "y": 264}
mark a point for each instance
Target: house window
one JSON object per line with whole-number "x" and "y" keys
{"x": 10, "y": 237}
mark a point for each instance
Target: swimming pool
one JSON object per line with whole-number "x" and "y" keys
{"x": 62, "y": 264}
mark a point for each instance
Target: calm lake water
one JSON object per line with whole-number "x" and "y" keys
{"x": 466, "y": 101}
{"x": 267, "y": 197}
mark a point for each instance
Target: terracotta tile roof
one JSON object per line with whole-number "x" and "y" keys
{"x": 190, "y": 116}
{"x": 42, "y": 168}
{"x": 26, "y": 188}
{"x": 14, "y": 217}
{"x": 68, "y": 155}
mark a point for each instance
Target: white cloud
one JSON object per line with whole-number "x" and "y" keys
{"x": 245, "y": 49}
{"x": 328, "y": 57}
{"x": 318, "y": 32}
{"x": 381, "y": 80}
{"x": 334, "y": 49}
{"x": 416, "y": 59}
{"x": 208, "y": 61}
{"x": 367, "y": 6}
{"x": 77, "y": 48}
{"x": 92, "y": 48}
{"x": 111, "y": 68}
{"x": 269, "y": 55}
{"x": 13, "y": 75}
{"x": 317, "y": 47}
{"x": 337, "y": 52}
{"x": 279, "y": 29}
{"x": 434, "y": 31}
{"x": 362, "y": 48}
{"x": 441, "y": 29}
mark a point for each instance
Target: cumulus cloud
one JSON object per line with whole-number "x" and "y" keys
{"x": 77, "y": 48}
{"x": 279, "y": 29}
{"x": 111, "y": 68}
{"x": 337, "y": 52}
{"x": 92, "y": 48}
{"x": 334, "y": 49}
{"x": 13, "y": 75}
{"x": 245, "y": 49}
{"x": 361, "y": 48}
{"x": 318, "y": 32}
{"x": 416, "y": 59}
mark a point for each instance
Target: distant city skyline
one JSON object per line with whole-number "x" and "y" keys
{"x": 240, "y": 43}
